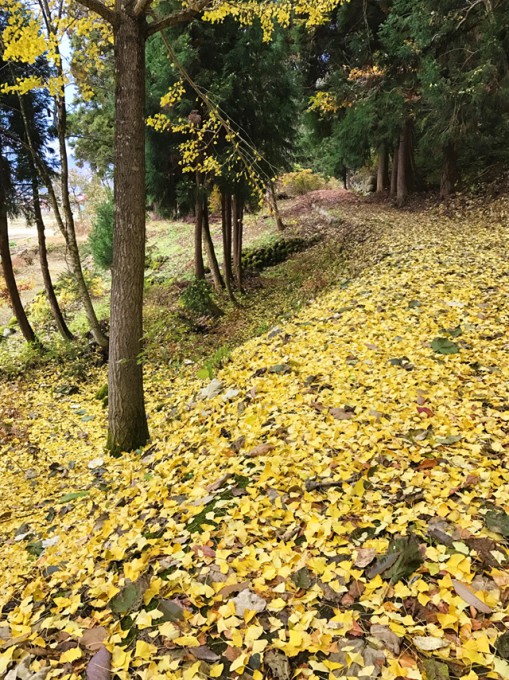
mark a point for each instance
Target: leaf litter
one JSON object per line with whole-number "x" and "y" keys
{"x": 210, "y": 558}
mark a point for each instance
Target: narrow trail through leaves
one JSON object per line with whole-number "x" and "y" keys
{"x": 335, "y": 507}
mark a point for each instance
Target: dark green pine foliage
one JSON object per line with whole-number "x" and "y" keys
{"x": 440, "y": 66}
{"x": 255, "y": 85}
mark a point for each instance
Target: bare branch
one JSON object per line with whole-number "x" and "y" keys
{"x": 97, "y": 6}
{"x": 177, "y": 17}
{"x": 141, "y": 6}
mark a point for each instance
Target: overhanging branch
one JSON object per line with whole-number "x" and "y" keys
{"x": 97, "y": 6}
{"x": 141, "y": 6}
{"x": 177, "y": 17}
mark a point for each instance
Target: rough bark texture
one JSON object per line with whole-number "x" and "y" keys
{"x": 449, "y": 172}
{"x": 275, "y": 208}
{"x": 226, "y": 218}
{"x": 199, "y": 269}
{"x": 128, "y": 427}
{"x": 237, "y": 222}
{"x": 382, "y": 178}
{"x": 394, "y": 172}
{"x": 211, "y": 252}
{"x": 401, "y": 185}
{"x": 46, "y": 276}
{"x": 5, "y": 255}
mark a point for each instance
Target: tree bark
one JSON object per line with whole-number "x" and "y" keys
{"x": 237, "y": 220}
{"x": 128, "y": 428}
{"x": 5, "y": 255}
{"x": 402, "y": 187}
{"x": 70, "y": 228}
{"x": 65, "y": 224}
{"x": 46, "y": 276}
{"x": 382, "y": 179}
{"x": 344, "y": 177}
{"x": 275, "y": 208}
{"x": 394, "y": 172}
{"x": 211, "y": 252}
{"x": 226, "y": 219}
{"x": 449, "y": 171}
{"x": 199, "y": 269}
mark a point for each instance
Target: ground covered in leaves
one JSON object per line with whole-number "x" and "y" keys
{"x": 333, "y": 504}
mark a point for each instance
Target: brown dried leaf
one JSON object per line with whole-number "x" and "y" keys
{"x": 341, "y": 414}
{"x": 260, "y": 450}
{"x": 99, "y": 666}
{"x": 364, "y": 557}
{"x": 93, "y": 639}
{"x": 470, "y": 598}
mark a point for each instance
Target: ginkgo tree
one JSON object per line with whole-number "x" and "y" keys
{"x": 132, "y": 23}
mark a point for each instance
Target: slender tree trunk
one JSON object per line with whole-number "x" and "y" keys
{"x": 237, "y": 220}
{"x": 275, "y": 208}
{"x": 449, "y": 171}
{"x": 402, "y": 186}
{"x": 226, "y": 218}
{"x": 46, "y": 276}
{"x": 235, "y": 235}
{"x": 70, "y": 227}
{"x": 66, "y": 227}
{"x": 199, "y": 269}
{"x": 5, "y": 255}
{"x": 211, "y": 252}
{"x": 382, "y": 179}
{"x": 127, "y": 419}
{"x": 344, "y": 177}
{"x": 394, "y": 172}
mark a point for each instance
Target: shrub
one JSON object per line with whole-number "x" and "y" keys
{"x": 301, "y": 182}
{"x": 197, "y": 298}
{"x": 215, "y": 201}
{"x": 101, "y": 236}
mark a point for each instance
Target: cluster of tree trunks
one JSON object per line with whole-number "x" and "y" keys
{"x": 232, "y": 227}
{"x": 403, "y": 179}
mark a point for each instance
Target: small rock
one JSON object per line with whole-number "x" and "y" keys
{"x": 30, "y": 474}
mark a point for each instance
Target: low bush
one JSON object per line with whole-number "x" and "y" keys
{"x": 300, "y": 182}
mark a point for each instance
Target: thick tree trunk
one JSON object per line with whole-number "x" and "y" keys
{"x": 394, "y": 172}
{"x": 382, "y": 178}
{"x": 127, "y": 419}
{"x": 5, "y": 255}
{"x": 46, "y": 276}
{"x": 237, "y": 239}
{"x": 401, "y": 185}
{"x": 199, "y": 269}
{"x": 449, "y": 171}
{"x": 226, "y": 219}
{"x": 275, "y": 208}
{"x": 211, "y": 252}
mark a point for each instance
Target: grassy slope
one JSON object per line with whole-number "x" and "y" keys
{"x": 349, "y": 391}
